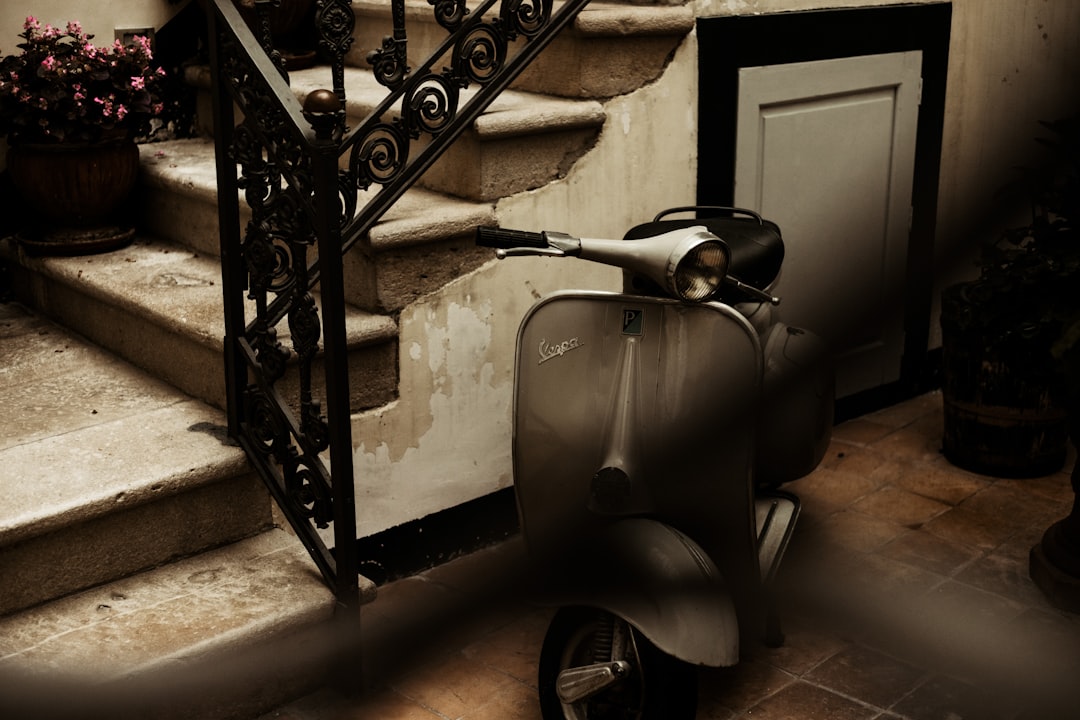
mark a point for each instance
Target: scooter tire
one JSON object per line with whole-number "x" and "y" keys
{"x": 658, "y": 687}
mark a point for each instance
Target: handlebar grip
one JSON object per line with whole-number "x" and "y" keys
{"x": 494, "y": 237}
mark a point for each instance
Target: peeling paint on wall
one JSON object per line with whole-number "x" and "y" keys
{"x": 464, "y": 448}
{"x": 448, "y": 439}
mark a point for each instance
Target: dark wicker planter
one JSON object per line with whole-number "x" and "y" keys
{"x": 1001, "y": 400}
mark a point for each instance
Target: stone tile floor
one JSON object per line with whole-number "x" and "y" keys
{"x": 906, "y": 596}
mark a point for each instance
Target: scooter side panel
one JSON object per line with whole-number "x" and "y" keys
{"x": 663, "y": 391}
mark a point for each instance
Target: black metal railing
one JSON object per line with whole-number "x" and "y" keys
{"x": 300, "y": 169}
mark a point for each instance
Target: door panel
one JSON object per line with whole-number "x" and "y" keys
{"x": 826, "y": 149}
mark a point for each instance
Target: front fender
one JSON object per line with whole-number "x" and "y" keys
{"x": 658, "y": 580}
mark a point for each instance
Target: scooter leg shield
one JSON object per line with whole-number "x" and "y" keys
{"x": 796, "y": 416}
{"x": 661, "y": 582}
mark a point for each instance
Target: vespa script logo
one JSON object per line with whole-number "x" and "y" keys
{"x": 550, "y": 351}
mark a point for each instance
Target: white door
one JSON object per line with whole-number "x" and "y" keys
{"x": 826, "y": 149}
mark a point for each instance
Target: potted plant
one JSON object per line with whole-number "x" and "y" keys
{"x": 71, "y": 112}
{"x": 1002, "y": 334}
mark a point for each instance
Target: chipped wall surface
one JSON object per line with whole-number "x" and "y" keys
{"x": 448, "y": 439}
{"x": 644, "y": 161}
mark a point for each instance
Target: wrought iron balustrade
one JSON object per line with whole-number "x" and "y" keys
{"x": 300, "y": 169}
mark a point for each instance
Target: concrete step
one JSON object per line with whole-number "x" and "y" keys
{"x": 521, "y": 142}
{"x": 108, "y": 471}
{"x": 158, "y": 306}
{"x": 229, "y": 633}
{"x": 423, "y": 242}
{"x": 610, "y": 49}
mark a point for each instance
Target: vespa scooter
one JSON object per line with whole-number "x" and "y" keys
{"x": 651, "y": 431}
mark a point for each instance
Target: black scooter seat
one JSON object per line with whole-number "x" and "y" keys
{"x": 757, "y": 248}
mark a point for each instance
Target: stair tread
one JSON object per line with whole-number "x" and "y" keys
{"x": 596, "y": 19}
{"x": 78, "y": 414}
{"x": 178, "y": 289}
{"x": 420, "y": 216}
{"x": 173, "y": 616}
{"x": 512, "y": 113}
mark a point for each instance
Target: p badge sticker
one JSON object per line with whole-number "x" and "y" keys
{"x": 633, "y": 321}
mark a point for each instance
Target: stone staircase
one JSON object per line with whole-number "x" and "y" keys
{"x": 138, "y": 552}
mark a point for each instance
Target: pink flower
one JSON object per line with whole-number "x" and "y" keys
{"x": 49, "y": 62}
{"x": 137, "y": 82}
{"x": 74, "y": 27}
{"x": 32, "y": 23}
{"x": 121, "y": 111}
{"x": 144, "y": 43}
{"x": 106, "y": 107}
{"x": 157, "y": 108}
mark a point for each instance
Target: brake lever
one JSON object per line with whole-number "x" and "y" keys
{"x": 752, "y": 291}
{"x": 558, "y": 245}
{"x": 503, "y": 253}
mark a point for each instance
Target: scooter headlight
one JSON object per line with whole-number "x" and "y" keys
{"x": 698, "y": 272}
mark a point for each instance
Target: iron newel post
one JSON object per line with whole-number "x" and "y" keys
{"x": 326, "y": 114}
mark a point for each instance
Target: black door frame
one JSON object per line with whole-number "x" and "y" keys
{"x": 729, "y": 43}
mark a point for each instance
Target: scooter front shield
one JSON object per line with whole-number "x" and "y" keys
{"x": 629, "y": 406}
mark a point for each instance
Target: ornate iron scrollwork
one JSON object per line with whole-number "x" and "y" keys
{"x": 380, "y": 156}
{"x": 449, "y": 13}
{"x": 390, "y": 62}
{"x": 308, "y": 491}
{"x": 264, "y": 425}
{"x": 335, "y": 22}
{"x": 524, "y": 17}
{"x": 268, "y": 262}
{"x": 431, "y": 104}
{"x": 480, "y": 53}
{"x": 276, "y": 178}
{"x": 304, "y": 327}
{"x": 272, "y": 357}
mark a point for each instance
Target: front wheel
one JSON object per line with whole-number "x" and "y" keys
{"x": 595, "y": 666}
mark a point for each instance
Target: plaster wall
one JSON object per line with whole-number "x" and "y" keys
{"x": 448, "y": 439}
{"x": 97, "y": 18}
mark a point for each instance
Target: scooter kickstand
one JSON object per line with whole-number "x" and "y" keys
{"x": 577, "y": 683}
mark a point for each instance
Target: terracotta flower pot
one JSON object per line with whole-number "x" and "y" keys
{"x": 76, "y": 193}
